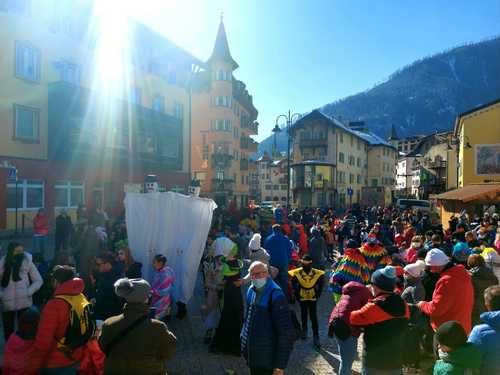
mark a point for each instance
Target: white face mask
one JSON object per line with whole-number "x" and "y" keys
{"x": 416, "y": 245}
{"x": 259, "y": 283}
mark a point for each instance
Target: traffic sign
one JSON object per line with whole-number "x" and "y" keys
{"x": 349, "y": 191}
{"x": 12, "y": 176}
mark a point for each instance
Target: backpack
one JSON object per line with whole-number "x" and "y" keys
{"x": 82, "y": 325}
{"x": 296, "y": 327}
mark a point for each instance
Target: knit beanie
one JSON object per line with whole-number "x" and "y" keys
{"x": 385, "y": 278}
{"x": 133, "y": 290}
{"x": 436, "y": 257}
{"x": 254, "y": 243}
{"x": 415, "y": 269}
{"x": 451, "y": 334}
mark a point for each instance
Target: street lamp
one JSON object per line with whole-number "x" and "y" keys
{"x": 289, "y": 118}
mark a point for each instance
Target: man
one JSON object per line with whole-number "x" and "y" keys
{"x": 384, "y": 319}
{"x": 317, "y": 249}
{"x": 280, "y": 251}
{"x": 453, "y": 295}
{"x": 107, "y": 304}
{"x": 133, "y": 343}
{"x": 266, "y": 337}
{"x": 64, "y": 227}
{"x": 486, "y": 336}
{"x": 307, "y": 284}
{"x": 40, "y": 233}
{"x": 51, "y": 355}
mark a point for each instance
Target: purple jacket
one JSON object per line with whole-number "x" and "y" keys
{"x": 354, "y": 297}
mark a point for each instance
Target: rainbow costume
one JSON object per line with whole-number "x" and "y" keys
{"x": 352, "y": 267}
{"x": 161, "y": 288}
{"x": 375, "y": 255}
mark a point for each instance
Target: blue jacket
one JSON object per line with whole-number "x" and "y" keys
{"x": 486, "y": 337}
{"x": 268, "y": 329}
{"x": 279, "y": 248}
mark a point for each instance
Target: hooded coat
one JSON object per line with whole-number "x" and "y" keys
{"x": 486, "y": 338}
{"x": 375, "y": 255}
{"x": 352, "y": 267}
{"x": 452, "y": 299}
{"x": 456, "y": 362}
{"x": 482, "y": 278}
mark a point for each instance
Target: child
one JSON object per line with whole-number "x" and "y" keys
{"x": 456, "y": 355}
{"x": 19, "y": 347}
{"x": 307, "y": 284}
{"x": 161, "y": 288}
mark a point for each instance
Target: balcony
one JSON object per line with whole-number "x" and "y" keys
{"x": 222, "y": 186}
{"x": 244, "y": 164}
{"x": 321, "y": 142}
{"x": 221, "y": 160}
{"x": 251, "y": 126}
{"x": 438, "y": 164}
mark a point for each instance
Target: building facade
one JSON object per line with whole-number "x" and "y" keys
{"x": 223, "y": 121}
{"x": 74, "y": 136}
{"x": 408, "y": 144}
{"x": 272, "y": 177}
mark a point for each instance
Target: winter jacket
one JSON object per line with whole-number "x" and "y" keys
{"x": 452, "y": 299}
{"x": 465, "y": 360}
{"x": 18, "y": 294}
{"x": 385, "y": 320}
{"x": 352, "y": 267}
{"x": 54, "y": 322}
{"x": 41, "y": 225}
{"x": 411, "y": 255}
{"x": 486, "y": 338}
{"x": 354, "y": 297}
{"x": 279, "y": 248}
{"x": 303, "y": 244}
{"x": 266, "y": 337}
{"x": 16, "y": 356}
{"x": 107, "y": 303}
{"x": 317, "y": 251}
{"x": 144, "y": 350}
{"x": 482, "y": 277}
{"x": 492, "y": 260}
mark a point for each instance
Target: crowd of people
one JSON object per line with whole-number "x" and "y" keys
{"x": 419, "y": 295}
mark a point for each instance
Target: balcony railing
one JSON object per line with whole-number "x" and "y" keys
{"x": 220, "y": 186}
{"x": 435, "y": 164}
{"x": 222, "y": 160}
{"x": 244, "y": 164}
{"x": 252, "y": 126}
{"x": 320, "y": 142}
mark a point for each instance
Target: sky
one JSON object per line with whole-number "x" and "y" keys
{"x": 299, "y": 55}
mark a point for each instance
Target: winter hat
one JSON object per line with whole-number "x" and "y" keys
{"x": 385, "y": 278}
{"x": 436, "y": 257}
{"x": 254, "y": 243}
{"x": 415, "y": 269}
{"x": 451, "y": 334}
{"x": 133, "y": 290}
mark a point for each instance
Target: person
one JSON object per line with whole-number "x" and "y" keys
{"x": 307, "y": 285}
{"x": 413, "y": 289}
{"x": 384, "y": 320}
{"x": 266, "y": 336}
{"x": 19, "y": 281}
{"x": 317, "y": 249}
{"x": 64, "y": 228}
{"x": 129, "y": 267}
{"x": 354, "y": 296}
{"x": 375, "y": 255}
{"x": 40, "y": 232}
{"x": 461, "y": 252}
{"x": 453, "y": 296}
{"x": 214, "y": 285}
{"x": 256, "y": 252}
{"x": 412, "y": 252}
{"x": 482, "y": 278}
{"x": 456, "y": 355}
{"x": 106, "y": 302}
{"x": 20, "y": 345}
{"x": 280, "y": 251}
{"x": 491, "y": 256}
{"x": 486, "y": 336}
{"x": 56, "y": 350}
{"x": 134, "y": 343}
{"x": 161, "y": 288}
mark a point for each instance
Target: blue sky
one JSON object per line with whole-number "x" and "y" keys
{"x": 299, "y": 55}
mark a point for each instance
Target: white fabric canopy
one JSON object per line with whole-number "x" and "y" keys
{"x": 171, "y": 224}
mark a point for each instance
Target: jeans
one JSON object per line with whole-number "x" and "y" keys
{"x": 9, "y": 322}
{"x": 68, "y": 370}
{"x": 347, "y": 350}
{"x": 40, "y": 246}
{"x": 305, "y": 307}
{"x": 375, "y": 371}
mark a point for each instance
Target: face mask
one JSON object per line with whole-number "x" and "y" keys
{"x": 307, "y": 267}
{"x": 416, "y": 245}
{"x": 259, "y": 283}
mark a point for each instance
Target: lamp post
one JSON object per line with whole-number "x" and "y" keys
{"x": 289, "y": 118}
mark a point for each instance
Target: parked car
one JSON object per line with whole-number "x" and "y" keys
{"x": 414, "y": 204}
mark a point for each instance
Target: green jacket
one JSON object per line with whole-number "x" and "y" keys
{"x": 465, "y": 360}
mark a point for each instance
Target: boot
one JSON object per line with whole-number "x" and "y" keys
{"x": 316, "y": 343}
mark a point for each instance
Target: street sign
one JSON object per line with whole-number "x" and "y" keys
{"x": 349, "y": 191}
{"x": 12, "y": 176}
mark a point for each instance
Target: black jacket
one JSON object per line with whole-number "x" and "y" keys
{"x": 107, "y": 303}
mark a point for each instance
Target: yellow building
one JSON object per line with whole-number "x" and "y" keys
{"x": 78, "y": 128}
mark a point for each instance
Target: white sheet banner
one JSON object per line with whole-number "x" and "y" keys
{"x": 171, "y": 224}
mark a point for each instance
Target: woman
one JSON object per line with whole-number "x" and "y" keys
{"x": 482, "y": 278}
{"x": 19, "y": 281}
{"x": 161, "y": 288}
{"x": 130, "y": 268}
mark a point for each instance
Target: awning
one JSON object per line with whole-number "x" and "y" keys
{"x": 487, "y": 193}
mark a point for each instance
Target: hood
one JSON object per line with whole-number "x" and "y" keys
{"x": 353, "y": 288}
{"x": 484, "y": 273}
{"x": 467, "y": 356}
{"x": 456, "y": 272}
{"x": 492, "y": 318}
{"x": 71, "y": 287}
{"x": 392, "y": 304}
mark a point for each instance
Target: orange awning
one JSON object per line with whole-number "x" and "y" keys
{"x": 487, "y": 193}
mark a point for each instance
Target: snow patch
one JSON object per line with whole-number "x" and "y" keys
{"x": 451, "y": 63}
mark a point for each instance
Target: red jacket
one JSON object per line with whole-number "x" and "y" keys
{"x": 411, "y": 255}
{"x": 52, "y": 327}
{"x": 452, "y": 299}
{"x": 302, "y": 239}
{"x": 41, "y": 225}
{"x": 17, "y": 353}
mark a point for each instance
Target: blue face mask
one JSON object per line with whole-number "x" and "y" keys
{"x": 259, "y": 283}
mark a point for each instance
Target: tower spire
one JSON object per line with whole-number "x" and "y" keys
{"x": 221, "y": 48}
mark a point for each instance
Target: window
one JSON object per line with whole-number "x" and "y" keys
{"x": 135, "y": 95}
{"x": 68, "y": 71}
{"x": 359, "y": 144}
{"x": 178, "y": 110}
{"x": 30, "y": 195}
{"x": 28, "y": 62}
{"x": 220, "y": 175}
{"x": 268, "y": 198}
{"x": 351, "y": 178}
{"x": 276, "y": 187}
{"x": 341, "y": 137}
{"x": 26, "y": 123}
{"x": 352, "y": 140}
{"x": 374, "y": 182}
{"x": 284, "y": 187}
{"x": 223, "y": 75}
{"x": 341, "y": 157}
{"x": 268, "y": 187}
{"x": 205, "y": 152}
{"x": 242, "y": 180}
{"x": 352, "y": 160}
{"x": 358, "y": 162}
{"x": 222, "y": 125}
{"x": 222, "y": 101}
{"x": 159, "y": 103}
{"x": 236, "y": 133}
{"x": 68, "y": 194}
{"x": 358, "y": 179}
